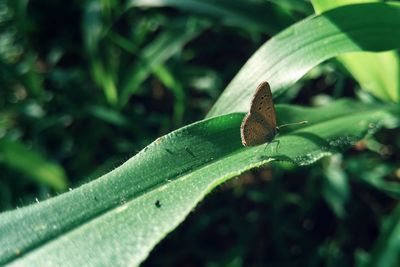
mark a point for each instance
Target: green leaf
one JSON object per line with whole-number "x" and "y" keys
{"x": 362, "y": 169}
{"x": 168, "y": 79}
{"x": 377, "y": 73}
{"x": 286, "y": 57}
{"x": 387, "y": 249}
{"x": 250, "y": 15}
{"x": 157, "y": 52}
{"x": 336, "y": 187}
{"x": 94, "y": 28}
{"x": 15, "y": 155}
{"x": 117, "y": 219}
{"x": 323, "y": 5}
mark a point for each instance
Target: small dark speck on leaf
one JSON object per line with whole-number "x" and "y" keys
{"x": 158, "y": 204}
{"x": 169, "y": 151}
{"x": 189, "y": 152}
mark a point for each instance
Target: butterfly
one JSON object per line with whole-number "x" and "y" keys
{"x": 259, "y": 124}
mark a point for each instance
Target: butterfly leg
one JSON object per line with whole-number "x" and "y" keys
{"x": 277, "y": 141}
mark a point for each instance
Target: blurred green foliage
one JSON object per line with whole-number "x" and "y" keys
{"x": 86, "y": 84}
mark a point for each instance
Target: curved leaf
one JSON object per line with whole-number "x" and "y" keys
{"x": 117, "y": 219}
{"x": 286, "y": 57}
{"x": 378, "y": 73}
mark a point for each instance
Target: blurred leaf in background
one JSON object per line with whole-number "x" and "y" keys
{"x": 17, "y": 156}
{"x": 377, "y": 73}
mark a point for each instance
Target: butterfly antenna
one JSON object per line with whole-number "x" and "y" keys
{"x": 294, "y": 123}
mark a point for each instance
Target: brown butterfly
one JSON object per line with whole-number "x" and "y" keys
{"x": 259, "y": 125}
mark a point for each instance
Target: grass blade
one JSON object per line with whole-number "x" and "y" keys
{"x": 377, "y": 73}
{"x": 118, "y": 218}
{"x": 32, "y": 164}
{"x": 289, "y": 55}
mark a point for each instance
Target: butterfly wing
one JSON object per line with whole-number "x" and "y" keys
{"x": 254, "y": 132}
{"x": 263, "y": 104}
{"x": 259, "y": 125}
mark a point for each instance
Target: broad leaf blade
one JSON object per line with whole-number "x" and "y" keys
{"x": 378, "y": 73}
{"x": 286, "y": 57}
{"x": 118, "y": 218}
